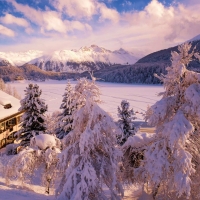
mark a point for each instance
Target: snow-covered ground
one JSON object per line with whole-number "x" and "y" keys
{"x": 139, "y": 96}
{"x": 15, "y": 191}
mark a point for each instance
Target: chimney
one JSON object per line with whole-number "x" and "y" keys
{"x": 7, "y": 106}
{"x": 6, "y": 103}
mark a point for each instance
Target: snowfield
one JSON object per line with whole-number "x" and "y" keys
{"x": 139, "y": 96}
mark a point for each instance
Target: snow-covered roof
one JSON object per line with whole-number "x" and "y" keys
{"x": 8, "y": 99}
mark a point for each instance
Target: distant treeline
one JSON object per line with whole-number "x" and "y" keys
{"x": 30, "y": 72}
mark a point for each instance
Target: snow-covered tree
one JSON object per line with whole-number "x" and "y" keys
{"x": 8, "y": 89}
{"x": 65, "y": 120}
{"x": 33, "y": 119}
{"x": 15, "y": 93}
{"x": 52, "y": 121}
{"x": 133, "y": 155}
{"x": 90, "y": 157}
{"x": 41, "y": 156}
{"x": 125, "y": 122}
{"x": 172, "y": 161}
{"x": 2, "y": 85}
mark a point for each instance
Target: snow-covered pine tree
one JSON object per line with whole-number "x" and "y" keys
{"x": 125, "y": 122}
{"x": 33, "y": 119}
{"x": 172, "y": 160}
{"x": 90, "y": 157}
{"x": 65, "y": 119}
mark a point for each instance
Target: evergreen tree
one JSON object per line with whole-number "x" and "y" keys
{"x": 65, "y": 120}
{"x": 125, "y": 122}
{"x": 33, "y": 119}
{"x": 89, "y": 160}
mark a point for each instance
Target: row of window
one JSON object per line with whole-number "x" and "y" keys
{"x": 8, "y": 125}
{"x": 7, "y": 140}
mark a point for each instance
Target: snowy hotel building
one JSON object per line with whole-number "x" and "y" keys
{"x": 9, "y": 118}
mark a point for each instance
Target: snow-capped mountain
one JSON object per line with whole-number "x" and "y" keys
{"x": 86, "y": 58}
{"x": 19, "y": 58}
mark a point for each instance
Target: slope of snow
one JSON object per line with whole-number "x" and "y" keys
{"x": 20, "y": 58}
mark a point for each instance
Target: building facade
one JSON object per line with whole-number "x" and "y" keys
{"x": 9, "y": 118}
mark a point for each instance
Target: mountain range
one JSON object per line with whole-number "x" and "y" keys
{"x": 111, "y": 66}
{"x": 72, "y": 61}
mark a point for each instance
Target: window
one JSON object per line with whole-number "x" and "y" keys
{"x": 11, "y": 136}
{"x": 3, "y": 142}
{"x": 10, "y": 123}
{"x": 19, "y": 119}
{"x": 2, "y": 127}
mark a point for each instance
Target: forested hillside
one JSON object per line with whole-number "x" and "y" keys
{"x": 32, "y": 72}
{"x": 143, "y": 71}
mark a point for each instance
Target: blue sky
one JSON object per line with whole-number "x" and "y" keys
{"x": 136, "y": 25}
{"x": 120, "y": 5}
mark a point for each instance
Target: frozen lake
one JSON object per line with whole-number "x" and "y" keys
{"x": 139, "y": 96}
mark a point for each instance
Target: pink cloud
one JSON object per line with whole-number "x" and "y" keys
{"x": 10, "y": 19}
{"x": 6, "y": 31}
{"x": 155, "y": 27}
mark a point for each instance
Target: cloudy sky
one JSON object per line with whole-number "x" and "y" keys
{"x": 136, "y": 25}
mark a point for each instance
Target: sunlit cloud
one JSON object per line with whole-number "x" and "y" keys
{"x": 10, "y": 19}
{"x": 6, "y": 31}
{"x": 76, "y": 8}
{"x": 72, "y": 24}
